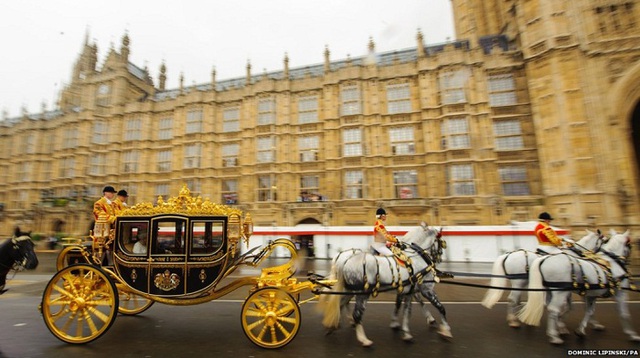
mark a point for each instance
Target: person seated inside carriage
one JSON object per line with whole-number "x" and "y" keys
{"x": 382, "y": 239}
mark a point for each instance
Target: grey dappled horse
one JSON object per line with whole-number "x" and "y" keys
{"x": 514, "y": 267}
{"x": 361, "y": 274}
{"x": 604, "y": 275}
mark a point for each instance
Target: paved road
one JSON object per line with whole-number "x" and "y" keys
{"x": 214, "y": 329}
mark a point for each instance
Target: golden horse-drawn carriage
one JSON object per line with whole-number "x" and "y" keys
{"x": 192, "y": 245}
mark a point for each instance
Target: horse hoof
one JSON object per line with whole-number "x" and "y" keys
{"x": 514, "y": 324}
{"x": 394, "y": 325}
{"x": 445, "y": 333}
{"x": 3, "y": 291}
{"x": 431, "y": 322}
{"x": 563, "y": 331}
{"x": 366, "y": 343}
{"x": 407, "y": 337}
{"x": 580, "y": 333}
{"x": 328, "y": 331}
{"x": 556, "y": 340}
{"x": 634, "y": 338}
{"x": 597, "y": 327}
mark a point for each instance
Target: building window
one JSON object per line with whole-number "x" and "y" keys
{"x": 452, "y": 86}
{"x": 308, "y": 148}
{"x": 230, "y": 191}
{"x": 514, "y": 181}
{"x": 309, "y": 188}
{"x": 162, "y": 190}
{"x": 100, "y": 132}
{"x": 455, "y": 134}
{"x": 192, "y": 154}
{"x": 164, "y": 161}
{"x": 307, "y": 109}
{"x": 30, "y": 144}
{"x": 508, "y": 135}
{"x": 350, "y": 98}
{"x": 67, "y": 167}
{"x": 460, "y": 180}
{"x": 230, "y": 155}
{"x": 103, "y": 97}
{"x": 165, "y": 128}
{"x": 47, "y": 170}
{"x": 133, "y": 129}
{"x": 266, "y": 150}
{"x": 231, "y": 119}
{"x": 266, "y": 188}
{"x": 352, "y": 142}
{"x": 502, "y": 90}
{"x": 406, "y": 184}
{"x": 353, "y": 184}
{"x": 130, "y": 161}
{"x": 266, "y": 111}
{"x": 70, "y": 139}
{"x": 24, "y": 172}
{"x": 398, "y": 98}
{"x": 194, "y": 121}
{"x": 402, "y": 141}
{"x": 98, "y": 164}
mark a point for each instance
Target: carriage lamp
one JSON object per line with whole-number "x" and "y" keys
{"x": 247, "y": 228}
{"x": 234, "y": 231}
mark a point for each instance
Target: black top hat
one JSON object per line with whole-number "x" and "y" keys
{"x": 123, "y": 193}
{"x": 381, "y": 212}
{"x": 545, "y": 216}
{"x": 108, "y": 189}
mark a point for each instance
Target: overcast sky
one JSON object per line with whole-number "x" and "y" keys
{"x": 41, "y": 39}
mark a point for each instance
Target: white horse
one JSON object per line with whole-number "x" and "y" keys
{"x": 514, "y": 267}
{"x": 552, "y": 279}
{"x": 362, "y": 274}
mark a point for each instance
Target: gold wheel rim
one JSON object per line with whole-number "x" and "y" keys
{"x": 270, "y": 318}
{"x": 130, "y": 303}
{"x": 61, "y": 261}
{"x": 79, "y": 304}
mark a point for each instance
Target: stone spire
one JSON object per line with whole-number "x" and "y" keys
{"x": 327, "y": 63}
{"x": 248, "y": 72}
{"x": 181, "y": 82}
{"x": 370, "y": 60}
{"x": 213, "y": 78}
{"x": 372, "y": 45}
{"x": 162, "y": 79}
{"x": 420, "y": 40}
{"x": 124, "y": 50}
{"x": 286, "y": 66}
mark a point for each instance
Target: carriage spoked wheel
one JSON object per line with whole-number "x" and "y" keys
{"x": 130, "y": 303}
{"x": 79, "y": 303}
{"x": 270, "y": 317}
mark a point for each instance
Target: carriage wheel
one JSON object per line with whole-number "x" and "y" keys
{"x": 79, "y": 303}
{"x": 270, "y": 317}
{"x": 69, "y": 253}
{"x": 131, "y": 303}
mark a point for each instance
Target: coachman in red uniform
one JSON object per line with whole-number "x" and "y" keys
{"x": 548, "y": 241}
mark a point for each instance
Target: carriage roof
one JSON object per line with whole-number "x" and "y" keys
{"x": 184, "y": 204}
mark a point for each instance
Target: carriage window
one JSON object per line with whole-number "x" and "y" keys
{"x": 133, "y": 237}
{"x": 169, "y": 237}
{"x": 207, "y": 237}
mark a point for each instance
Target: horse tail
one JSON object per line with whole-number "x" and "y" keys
{"x": 498, "y": 279}
{"x": 329, "y": 304}
{"x": 532, "y": 311}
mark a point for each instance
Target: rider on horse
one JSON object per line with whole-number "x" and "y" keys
{"x": 382, "y": 239}
{"x": 548, "y": 241}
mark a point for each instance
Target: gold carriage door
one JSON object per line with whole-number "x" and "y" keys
{"x": 207, "y": 249}
{"x": 168, "y": 256}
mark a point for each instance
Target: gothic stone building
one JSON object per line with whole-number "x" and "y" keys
{"x": 534, "y": 107}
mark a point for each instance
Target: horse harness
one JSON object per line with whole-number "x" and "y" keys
{"x": 605, "y": 281}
